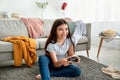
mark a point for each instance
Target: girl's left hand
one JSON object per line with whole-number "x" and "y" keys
{"x": 78, "y": 58}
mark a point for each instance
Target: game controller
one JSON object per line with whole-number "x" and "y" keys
{"x": 74, "y": 59}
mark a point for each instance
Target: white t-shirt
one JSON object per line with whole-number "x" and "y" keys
{"x": 59, "y": 50}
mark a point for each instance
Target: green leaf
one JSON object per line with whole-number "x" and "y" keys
{"x": 42, "y": 5}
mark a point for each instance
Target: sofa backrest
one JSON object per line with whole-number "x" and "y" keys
{"x": 49, "y": 22}
{"x": 12, "y": 27}
{"x": 47, "y": 27}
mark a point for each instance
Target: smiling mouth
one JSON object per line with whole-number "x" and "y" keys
{"x": 63, "y": 36}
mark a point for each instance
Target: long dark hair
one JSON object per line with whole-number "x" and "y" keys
{"x": 53, "y": 33}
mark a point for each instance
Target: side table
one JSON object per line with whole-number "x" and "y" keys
{"x": 101, "y": 41}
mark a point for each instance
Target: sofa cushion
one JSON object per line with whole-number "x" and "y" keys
{"x": 12, "y": 28}
{"x": 42, "y": 42}
{"x": 83, "y": 39}
{"x": 47, "y": 27}
{"x": 37, "y": 44}
{"x": 8, "y": 47}
{"x": 71, "y": 26}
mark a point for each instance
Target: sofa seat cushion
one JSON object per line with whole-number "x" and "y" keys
{"x": 42, "y": 42}
{"x": 83, "y": 39}
{"x": 8, "y": 47}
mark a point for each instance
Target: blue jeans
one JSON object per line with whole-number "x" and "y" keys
{"x": 48, "y": 70}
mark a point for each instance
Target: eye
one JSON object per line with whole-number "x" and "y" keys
{"x": 66, "y": 29}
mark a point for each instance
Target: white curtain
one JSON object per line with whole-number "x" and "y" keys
{"x": 94, "y": 10}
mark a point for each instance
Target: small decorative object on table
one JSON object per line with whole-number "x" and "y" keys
{"x": 42, "y": 6}
{"x": 15, "y": 15}
{"x": 108, "y": 33}
{"x": 6, "y": 15}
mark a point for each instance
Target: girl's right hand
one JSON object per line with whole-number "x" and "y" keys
{"x": 66, "y": 62}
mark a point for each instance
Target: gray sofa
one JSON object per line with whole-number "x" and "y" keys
{"x": 16, "y": 27}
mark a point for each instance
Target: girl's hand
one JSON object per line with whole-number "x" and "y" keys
{"x": 75, "y": 58}
{"x": 66, "y": 62}
{"x": 78, "y": 59}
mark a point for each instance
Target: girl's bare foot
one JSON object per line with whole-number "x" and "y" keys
{"x": 38, "y": 76}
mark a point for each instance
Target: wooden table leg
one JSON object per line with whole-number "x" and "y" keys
{"x": 100, "y": 44}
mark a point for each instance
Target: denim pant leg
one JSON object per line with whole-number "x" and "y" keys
{"x": 44, "y": 61}
{"x": 65, "y": 71}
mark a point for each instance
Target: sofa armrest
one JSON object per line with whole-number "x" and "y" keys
{"x": 88, "y": 34}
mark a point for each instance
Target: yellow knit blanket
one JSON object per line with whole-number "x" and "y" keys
{"x": 24, "y": 47}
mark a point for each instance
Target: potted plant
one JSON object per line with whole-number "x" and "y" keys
{"x": 42, "y": 6}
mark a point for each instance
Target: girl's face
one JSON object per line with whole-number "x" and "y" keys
{"x": 62, "y": 32}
